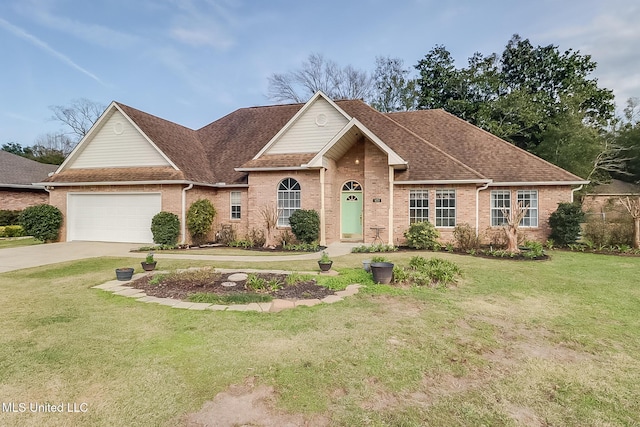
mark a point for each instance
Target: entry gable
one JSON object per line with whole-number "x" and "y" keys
{"x": 346, "y": 137}
{"x": 317, "y": 122}
{"x": 115, "y": 141}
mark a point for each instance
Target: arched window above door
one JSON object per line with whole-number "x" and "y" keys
{"x": 351, "y": 186}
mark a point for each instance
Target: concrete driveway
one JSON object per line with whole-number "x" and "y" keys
{"x": 37, "y": 255}
{"x": 34, "y": 256}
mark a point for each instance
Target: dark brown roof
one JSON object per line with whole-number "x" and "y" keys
{"x": 16, "y": 170}
{"x": 486, "y": 153}
{"x": 279, "y": 161}
{"x": 118, "y": 174}
{"x": 616, "y": 187}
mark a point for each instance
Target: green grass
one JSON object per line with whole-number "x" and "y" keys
{"x": 13, "y": 242}
{"x": 226, "y": 251}
{"x": 514, "y": 343}
{"x": 237, "y": 298}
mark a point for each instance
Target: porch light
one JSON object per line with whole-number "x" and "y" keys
{"x": 357, "y": 162}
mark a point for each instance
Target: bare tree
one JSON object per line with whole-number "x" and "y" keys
{"x": 58, "y": 142}
{"x": 78, "y": 117}
{"x": 612, "y": 159}
{"x": 633, "y": 207}
{"x": 318, "y": 73}
{"x": 513, "y": 218}
{"x": 394, "y": 89}
{"x": 270, "y": 214}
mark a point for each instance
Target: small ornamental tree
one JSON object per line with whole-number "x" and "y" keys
{"x": 422, "y": 235}
{"x": 565, "y": 223}
{"x": 199, "y": 220}
{"x": 42, "y": 222}
{"x": 165, "y": 227}
{"x": 305, "y": 224}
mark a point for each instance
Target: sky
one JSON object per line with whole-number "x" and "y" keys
{"x": 194, "y": 61}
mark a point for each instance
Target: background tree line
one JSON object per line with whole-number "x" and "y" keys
{"x": 537, "y": 97}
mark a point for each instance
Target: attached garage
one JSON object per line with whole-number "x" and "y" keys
{"x": 112, "y": 217}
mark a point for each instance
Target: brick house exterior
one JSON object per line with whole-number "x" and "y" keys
{"x": 363, "y": 171}
{"x": 17, "y": 178}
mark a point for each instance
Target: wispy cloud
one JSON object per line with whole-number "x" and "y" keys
{"x": 19, "y": 32}
{"x": 204, "y": 24}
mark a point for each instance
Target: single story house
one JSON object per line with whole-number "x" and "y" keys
{"x": 364, "y": 172}
{"x": 603, "y": 200}
{"x": 17, "y": 175}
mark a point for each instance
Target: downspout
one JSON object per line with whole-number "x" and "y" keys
{"x": 391, "y": 177}
{"x": 478, "y": 190}
{"x": 323, "y": 234}
{"x": 184, "y": 213}
{"x": 574, "y": 190}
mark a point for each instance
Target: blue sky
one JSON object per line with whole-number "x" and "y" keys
{"x": 194, "y": 61}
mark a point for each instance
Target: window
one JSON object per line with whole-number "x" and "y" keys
{"x": 418, "y": 206}
{"x": 500, "y": 200}
{"x": 236, "y": 206}
{"x": 288, "y": 200}
{"x": 445, "y": 208}
{"x": 351, "y": 186}
{"x": 529, "y": 199}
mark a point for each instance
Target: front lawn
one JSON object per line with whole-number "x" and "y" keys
{"x": 514, "y": 343}
{"x": 12, "y": 242}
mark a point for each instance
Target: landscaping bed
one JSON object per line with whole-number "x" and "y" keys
{"x": 209, "y": 285}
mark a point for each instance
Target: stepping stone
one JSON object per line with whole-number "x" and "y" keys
{"x": 238, "y": 277}
{"x": 229, "y": 284}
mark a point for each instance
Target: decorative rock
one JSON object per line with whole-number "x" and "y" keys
{"x": 238, "y": 277}
{"x": 228, "y": 284}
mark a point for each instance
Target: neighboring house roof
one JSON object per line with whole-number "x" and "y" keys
{"x": 615, "y": 188}
{"x": 20, "y": 172}
{"x": 429, "y": 146}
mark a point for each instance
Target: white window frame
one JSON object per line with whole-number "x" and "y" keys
{"x": 500, "y": 199}
{"x": 448, "y": 221}
{"x": 289, "y": 200}
{"x": 418, "y": 205}
{"x": 235, "y": 201}
{"x": 529, "y": 198}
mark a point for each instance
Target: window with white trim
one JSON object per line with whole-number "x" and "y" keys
{"x": 236, "y": 204}
{"x": 445, "y": 208}
{"x": 500, "y": 201}
{"x": 418, "y": 205}
{"x": 288, "y": 200}
{"x": 529, "y": 199}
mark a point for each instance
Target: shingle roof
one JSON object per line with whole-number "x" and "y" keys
{"x": 16, "y": 170}
{"x": 437, "y": 146}
{"x": 486, "y": 153}
{"x": 616, "y": 187}
{"x": 118, "y": 174}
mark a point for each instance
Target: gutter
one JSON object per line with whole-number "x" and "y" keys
{"x": 443, "y": 181}
{"x": 166, "y": 182}
{"x": 536, "y": 183}
{"x": 184, "y": 213}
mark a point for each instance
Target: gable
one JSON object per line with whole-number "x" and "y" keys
{"x": 311, "y": 131}
{"x": 116, "y": 144}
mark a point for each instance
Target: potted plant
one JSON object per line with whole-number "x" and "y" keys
{"x": 149, "y": 264}
{"x": 325, "y": 262}
{"x": 124, "y": 273}
{"x": 382, "y": 270}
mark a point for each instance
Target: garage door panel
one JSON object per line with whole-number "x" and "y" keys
{"x": 121, "y": 217}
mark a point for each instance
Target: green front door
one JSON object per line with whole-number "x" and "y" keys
{"x": 351, "y": 214}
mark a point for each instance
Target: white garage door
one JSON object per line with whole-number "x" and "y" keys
{"x": 121, "y": 217}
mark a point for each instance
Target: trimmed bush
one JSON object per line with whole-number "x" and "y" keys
{"x": 199, "y": 220}
{"x": 465, "y": 237}
{"x": 8, "y": 217}
{"x": 13, "y": 231}
{"x": 565, "y": 223}
{"x": 165, "y": 227}
{"x": 42, "y": 222}
{"x": 422, "y": 235}
{"x": 305, "y": 225}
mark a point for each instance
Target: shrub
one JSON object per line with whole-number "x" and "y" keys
{"x": 536, "y": 249}
{"x": 13, "y": 231}
{"x": 305, "y": 224}
{"x": 465, "y": 237}
{"x": 8, "y": 217}
{"x": 199, "y": 220}
{"x": 422, "y": 235}
{"x": 599, "y": 233}
{"x": 42, "y": 222}
{"x": 565, "y": 223}
{"x": 165, "y": 227}
{"x": 256, "y": 237}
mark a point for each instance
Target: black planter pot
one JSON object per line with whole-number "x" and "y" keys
{"x": 148, "y": 266}
{"x": 325, "y": 266}
{"x": 382, "y": 272}
{"x": 124, "y": 273}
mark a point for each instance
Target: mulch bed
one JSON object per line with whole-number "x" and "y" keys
{"x": 182, "y": 285}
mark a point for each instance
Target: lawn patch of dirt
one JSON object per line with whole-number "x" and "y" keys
{"x": 181, "y": 285}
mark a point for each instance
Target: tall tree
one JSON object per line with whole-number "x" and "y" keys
{"x": 318, "y": 73}
{"x": 394, "y": 89}
{"x": 78, "y": 117}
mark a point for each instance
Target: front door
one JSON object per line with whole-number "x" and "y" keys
{"x": 351, "y": 206}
